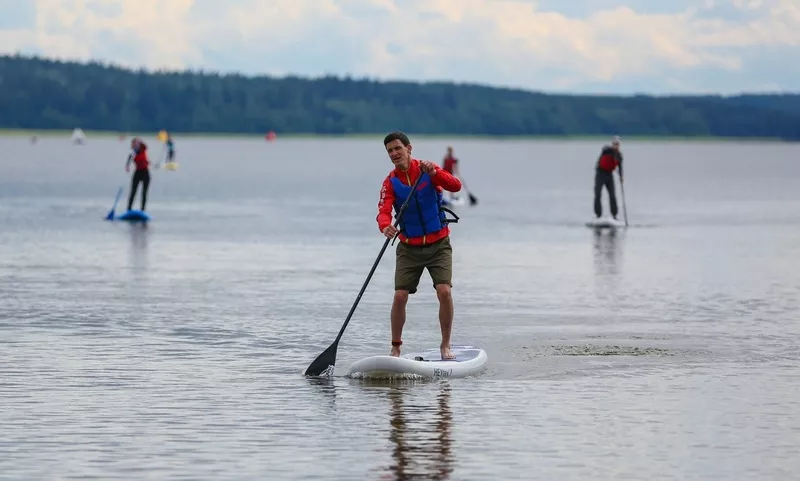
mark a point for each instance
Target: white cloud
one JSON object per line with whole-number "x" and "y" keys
{"x": 509, "y": 42}
{"x": 156, "y": 32}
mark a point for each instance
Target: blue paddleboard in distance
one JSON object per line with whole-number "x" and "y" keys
{"x": 135, "y": 216}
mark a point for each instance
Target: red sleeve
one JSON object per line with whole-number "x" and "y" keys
{"x": 446, "y": 180}
{"x": 385, "y": 204}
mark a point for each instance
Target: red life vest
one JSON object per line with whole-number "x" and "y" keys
{"x": 449, "y": 164}
{"x": 140, "y": 157}
{"x": 608, "y": 160}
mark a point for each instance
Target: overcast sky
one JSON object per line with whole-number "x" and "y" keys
{"x": 582, "y": 46}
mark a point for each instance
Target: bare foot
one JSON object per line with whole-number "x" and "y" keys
{"x": 447, "y": 354}
{"x": 395, "y": 351}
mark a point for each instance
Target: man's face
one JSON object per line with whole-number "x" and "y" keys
{"x": 399, "y": 154}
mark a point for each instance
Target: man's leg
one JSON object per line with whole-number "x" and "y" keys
{"x": 134, "y": 185}
{"x": 398, "y": 317}
{"x": 407, "y": 272}
{"x": 598, "y": 191}
{"x": 612, "y": 194}
{"x": 446, "y": 311}
{"x": 145, "y": 186}
{"x": 440, "y": 268}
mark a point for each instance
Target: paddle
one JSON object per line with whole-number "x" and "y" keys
{"x": 157, "y": 165}
{"x": 110, "y": 215}
{"x": 472, "y": 199}
{"x": 325, "y": 362}
{"x": 624, "y": 210}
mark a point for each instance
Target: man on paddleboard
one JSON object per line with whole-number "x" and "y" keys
{"x": 423, "y": 233}
{"x": 142, "y": 174}
{"x": 610, "y": 159}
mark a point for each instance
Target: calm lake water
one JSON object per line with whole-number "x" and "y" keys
{"x": 176, "y": 351}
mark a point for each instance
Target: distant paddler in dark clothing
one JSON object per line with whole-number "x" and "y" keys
{"x": 170, "y": 149}
{"x": 610, "y": 159}
{"x": 142, "y": 173}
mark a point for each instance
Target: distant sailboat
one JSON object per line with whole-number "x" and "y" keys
{"x": 78, "y": 137}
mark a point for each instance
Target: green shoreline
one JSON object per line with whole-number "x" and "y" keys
{"x": 233, "y": 135}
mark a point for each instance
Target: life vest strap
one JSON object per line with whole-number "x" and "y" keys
{"x": 450, "y": 221}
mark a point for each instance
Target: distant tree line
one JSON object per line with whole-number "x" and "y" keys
{"x": 38, "y": 93}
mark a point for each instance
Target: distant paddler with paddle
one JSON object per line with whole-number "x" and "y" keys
{"x": 450, "y": 165}
{"x": 142, "y": 173}
{"x": 423, "y": 233}
{"x": 170, "y": 150}
{"x": 169, "y": 146}
{"x": 609, "y": 160}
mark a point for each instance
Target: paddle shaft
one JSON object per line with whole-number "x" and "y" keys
{"x": 116, "y": 199}
{"x": 110, "y": 214}
{"x": 377, "y": 261}
{"x": 472, "y": 198}
{"x": 163, "y": 156}
{"x": 624, "y": 209}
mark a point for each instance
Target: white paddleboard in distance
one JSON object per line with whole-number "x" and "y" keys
{"x": 426, "y": 364}
{"x": 605, "y": 222}
{"x": 453, "y": 199}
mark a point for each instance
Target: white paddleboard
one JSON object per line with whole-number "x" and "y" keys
{"x": 605, "y": 223}
{"x": 453, "y": 198}
{"x": 426, "y": 364}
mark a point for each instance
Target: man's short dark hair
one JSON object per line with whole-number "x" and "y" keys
{"x": 397, "y": 135}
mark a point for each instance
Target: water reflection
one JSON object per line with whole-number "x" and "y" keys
{"x": 421, "y": 433}
{"x": 327, "y": 387}
{"x": 607, "y": 252}
{"x": 139, "y": 233}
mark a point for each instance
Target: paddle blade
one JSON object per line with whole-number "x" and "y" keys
{"x": 110, "y": 215}
{"x": 472, "y": 199}
{"x": 324, "y": 363}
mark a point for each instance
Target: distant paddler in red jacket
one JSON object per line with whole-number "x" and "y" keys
{"x": 142, "y": 174}
{"x": 610, "y": 159}
{"x": 450, "y": 163}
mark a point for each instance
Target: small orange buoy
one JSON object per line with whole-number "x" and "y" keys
{"x": 270, "y": 136}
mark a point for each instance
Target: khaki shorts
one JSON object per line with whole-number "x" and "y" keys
{"x": 412, "y": 260}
